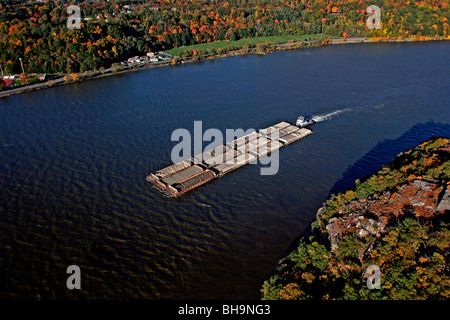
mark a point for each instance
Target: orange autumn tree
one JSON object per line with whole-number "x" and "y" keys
{"x": 158, "y": 25}
{"x": 410, "y": 248}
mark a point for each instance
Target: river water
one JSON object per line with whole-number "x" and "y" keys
{"x": 73, "y": 162}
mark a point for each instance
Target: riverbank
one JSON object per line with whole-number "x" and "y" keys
{"x": 74, "y": 78}
{"x": 218, "y": 47}
{"x": 265, "y": 48}
{"x": 395, "y": 221}
{"x": 262, "y": 48}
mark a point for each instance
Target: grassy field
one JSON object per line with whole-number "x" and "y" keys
{"x": 242, "y": 42}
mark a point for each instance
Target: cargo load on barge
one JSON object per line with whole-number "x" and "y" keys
{"x": 186, "y": 175}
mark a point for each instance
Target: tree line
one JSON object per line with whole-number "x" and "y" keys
{"x": 112, "y": 31}
{"x": 409, "y": 243}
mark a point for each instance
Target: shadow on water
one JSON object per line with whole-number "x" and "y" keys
{"x": 383, "y": 153}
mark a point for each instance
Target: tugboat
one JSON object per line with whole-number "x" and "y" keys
{"x": 304, "y": 121}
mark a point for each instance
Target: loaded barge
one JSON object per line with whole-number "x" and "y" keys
{"x": 186, "y": 175}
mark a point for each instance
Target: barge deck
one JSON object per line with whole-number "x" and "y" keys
{"x": 186, "y": 175}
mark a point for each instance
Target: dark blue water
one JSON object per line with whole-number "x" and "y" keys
{"x": 73, "y": 162}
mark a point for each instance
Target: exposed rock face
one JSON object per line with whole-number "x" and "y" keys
{"x": 372, "y": 216}
{"x": 444, "y": 205}
{"x": 397, "y": 219}
{"x": 354, "y": 223}
{"x": 419, "y": 197}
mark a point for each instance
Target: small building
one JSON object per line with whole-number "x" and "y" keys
{"x": 152, "y": 56}
{"x": 135, "y": 59}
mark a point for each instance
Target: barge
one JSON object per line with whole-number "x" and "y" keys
{"x": 187, "y": 175}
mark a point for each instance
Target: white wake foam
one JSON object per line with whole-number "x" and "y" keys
{"x": 328, "y": 116}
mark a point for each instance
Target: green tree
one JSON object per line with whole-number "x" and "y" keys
{"x": 2, "y": 85}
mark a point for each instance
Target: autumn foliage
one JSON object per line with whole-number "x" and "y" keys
{"x": 112, "y": 31}
{"x": 393, "y": 220}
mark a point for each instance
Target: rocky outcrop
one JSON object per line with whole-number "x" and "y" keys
{"x": 397, "y": 219}
{"x": 370, "y": 217}
{"x": 355, "y": 223}
{"x": 444, "y": 204}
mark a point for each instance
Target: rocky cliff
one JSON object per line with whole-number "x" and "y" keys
{"x": 397, "y": 220}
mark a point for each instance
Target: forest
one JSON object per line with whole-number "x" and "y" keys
{"x": 112, "y": 31}
{"x": 392, "y": 219}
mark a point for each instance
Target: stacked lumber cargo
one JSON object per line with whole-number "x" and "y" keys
{"x": 186, "y": 175}
{"x": 295, "y": 135}
{"x": 194, "y": 181}
{"x": 216, "y": 156}
{"x": 172, "y": 169}
{"x": 237, "y": 162}
{"x": 270, "y": 132}
{"x": 235, "y": 144}
{"x": 288, "y": 130}
{"x": 266, "y": 148}
{"x": 180, "y": 177}
{"x": 281, "y": 125}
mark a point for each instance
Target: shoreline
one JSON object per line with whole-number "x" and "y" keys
{"x": 239, "y": 52}
{"x": 351, "y": 226}
{"x": 81, "y": 78}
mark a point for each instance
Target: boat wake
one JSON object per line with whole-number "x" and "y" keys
{"x": 329, "y": 116}
{"x": 6, "y": 145}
